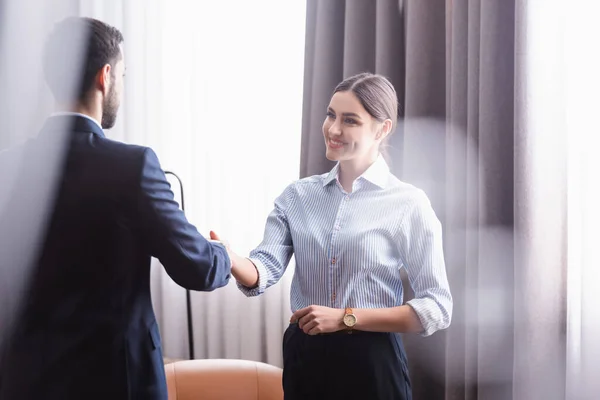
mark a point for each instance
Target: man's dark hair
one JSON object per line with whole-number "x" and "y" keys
{"x": 74, "y": 52}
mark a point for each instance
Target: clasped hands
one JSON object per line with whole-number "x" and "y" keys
{"x": 314, "y": 320}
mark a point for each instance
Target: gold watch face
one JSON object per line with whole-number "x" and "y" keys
{"x": 349, "y": 320}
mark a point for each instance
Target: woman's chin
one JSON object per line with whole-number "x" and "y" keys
{"x": 332, "y": 155}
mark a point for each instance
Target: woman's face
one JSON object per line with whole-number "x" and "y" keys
{"x": 350, "y": 132}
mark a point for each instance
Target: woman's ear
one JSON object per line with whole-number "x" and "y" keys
{"x": 385, "y": 130}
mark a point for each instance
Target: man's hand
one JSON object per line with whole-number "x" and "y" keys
{"x": 215, "y": 238}
{"x": 233, "y": 258}
{"x": 319, "y": 319}
{"x": 243, "y": 270}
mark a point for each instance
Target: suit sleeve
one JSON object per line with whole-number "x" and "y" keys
{"x": 190, "y": 260}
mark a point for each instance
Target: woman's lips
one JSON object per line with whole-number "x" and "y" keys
{"x": 335, "y": 144}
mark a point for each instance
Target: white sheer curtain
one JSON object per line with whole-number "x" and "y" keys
{"x": 562, "y": 161}
{"x": 562, "y": 356}
{"x": 582, "y": 77}
{"x": 215, "y": 88}
{"x": 540, "y": 203}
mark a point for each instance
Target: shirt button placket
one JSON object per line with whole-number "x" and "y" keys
{"x": 333, "y": 261}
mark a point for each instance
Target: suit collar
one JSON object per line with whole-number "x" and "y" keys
{"x": 74, "y": 122}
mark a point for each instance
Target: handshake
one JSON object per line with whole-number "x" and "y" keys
{"x": 215, "y": 238}
{"x": 243, "y": 270}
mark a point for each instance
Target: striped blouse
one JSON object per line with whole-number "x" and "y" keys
{"x": 350, "y": 247}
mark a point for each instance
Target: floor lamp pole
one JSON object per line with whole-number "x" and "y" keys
{"x": 188, "y": 302}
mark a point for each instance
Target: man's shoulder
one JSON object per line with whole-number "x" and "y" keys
{"x": 109, "y": 151}
{"x": 118, "y": 147}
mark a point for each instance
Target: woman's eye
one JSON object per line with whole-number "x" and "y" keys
{"x": 330, "y": 115}
{"x": 350, "y": 121}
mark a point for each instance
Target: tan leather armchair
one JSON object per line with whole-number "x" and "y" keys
{"x": 223, "y": 379}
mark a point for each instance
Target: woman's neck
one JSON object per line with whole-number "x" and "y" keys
{"x": 350, "y": 170}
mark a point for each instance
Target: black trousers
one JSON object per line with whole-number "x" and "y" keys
{"x": 360, "y": 365}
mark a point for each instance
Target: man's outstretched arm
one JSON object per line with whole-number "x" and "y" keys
{"x": 191, "y": 261}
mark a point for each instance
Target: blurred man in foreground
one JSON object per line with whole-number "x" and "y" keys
{"x": 86, "y": 328}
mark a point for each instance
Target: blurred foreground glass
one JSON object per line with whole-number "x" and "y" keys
{"x": 28, "y": 173}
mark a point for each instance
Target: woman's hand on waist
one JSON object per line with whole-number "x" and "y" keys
{"x": 314, "y": 319}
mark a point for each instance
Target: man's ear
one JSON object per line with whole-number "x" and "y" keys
{"x": 103, "y": 78}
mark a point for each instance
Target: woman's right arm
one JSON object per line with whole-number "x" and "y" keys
{"x": 244, "y": 271}
{"x": 267, "y": 263}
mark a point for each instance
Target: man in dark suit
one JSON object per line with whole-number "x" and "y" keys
{"x": 86, "y": 328}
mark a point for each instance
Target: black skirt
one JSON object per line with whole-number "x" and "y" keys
{"x": 342, "y": 365}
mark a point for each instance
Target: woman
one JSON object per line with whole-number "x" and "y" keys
{"x": 351, "y": 231}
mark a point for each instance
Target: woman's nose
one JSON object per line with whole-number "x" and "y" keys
{"x": 335, "y": 129}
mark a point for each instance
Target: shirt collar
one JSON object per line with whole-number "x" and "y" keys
{"x": 332, "y": 175}
{"x": 76, "y": 114}
{"x": 377, "y": 173}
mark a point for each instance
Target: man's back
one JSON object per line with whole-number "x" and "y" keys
{"x": 87, "y": 328}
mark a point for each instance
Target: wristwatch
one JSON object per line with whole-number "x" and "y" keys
{"x": 349, "y": 318}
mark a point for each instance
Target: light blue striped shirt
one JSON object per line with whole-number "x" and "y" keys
{"x": 350, "y": 247}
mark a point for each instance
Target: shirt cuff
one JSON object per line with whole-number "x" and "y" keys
{"x": 429, "y": 314}
{"x": 262, "y": 280}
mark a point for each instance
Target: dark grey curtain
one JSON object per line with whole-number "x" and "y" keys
{"x": 453, "y": 64}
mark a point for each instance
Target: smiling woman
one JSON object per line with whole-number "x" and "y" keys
{"x": 352, "y": 231}
{"x": 367, "y": 115}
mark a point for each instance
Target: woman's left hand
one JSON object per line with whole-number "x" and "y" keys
{"x": 319, "y": 319}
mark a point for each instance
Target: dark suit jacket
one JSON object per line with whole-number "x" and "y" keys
{"x": 87, "y": 329}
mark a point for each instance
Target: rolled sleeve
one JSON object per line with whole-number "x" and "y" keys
{"x": 434, "y": 314}
{"x": 423, "y": 257}
{"x": 262, "y": 280}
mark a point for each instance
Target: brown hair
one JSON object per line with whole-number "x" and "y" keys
{"x": 74, "y": 52}
{"x": 376, "y": 94}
